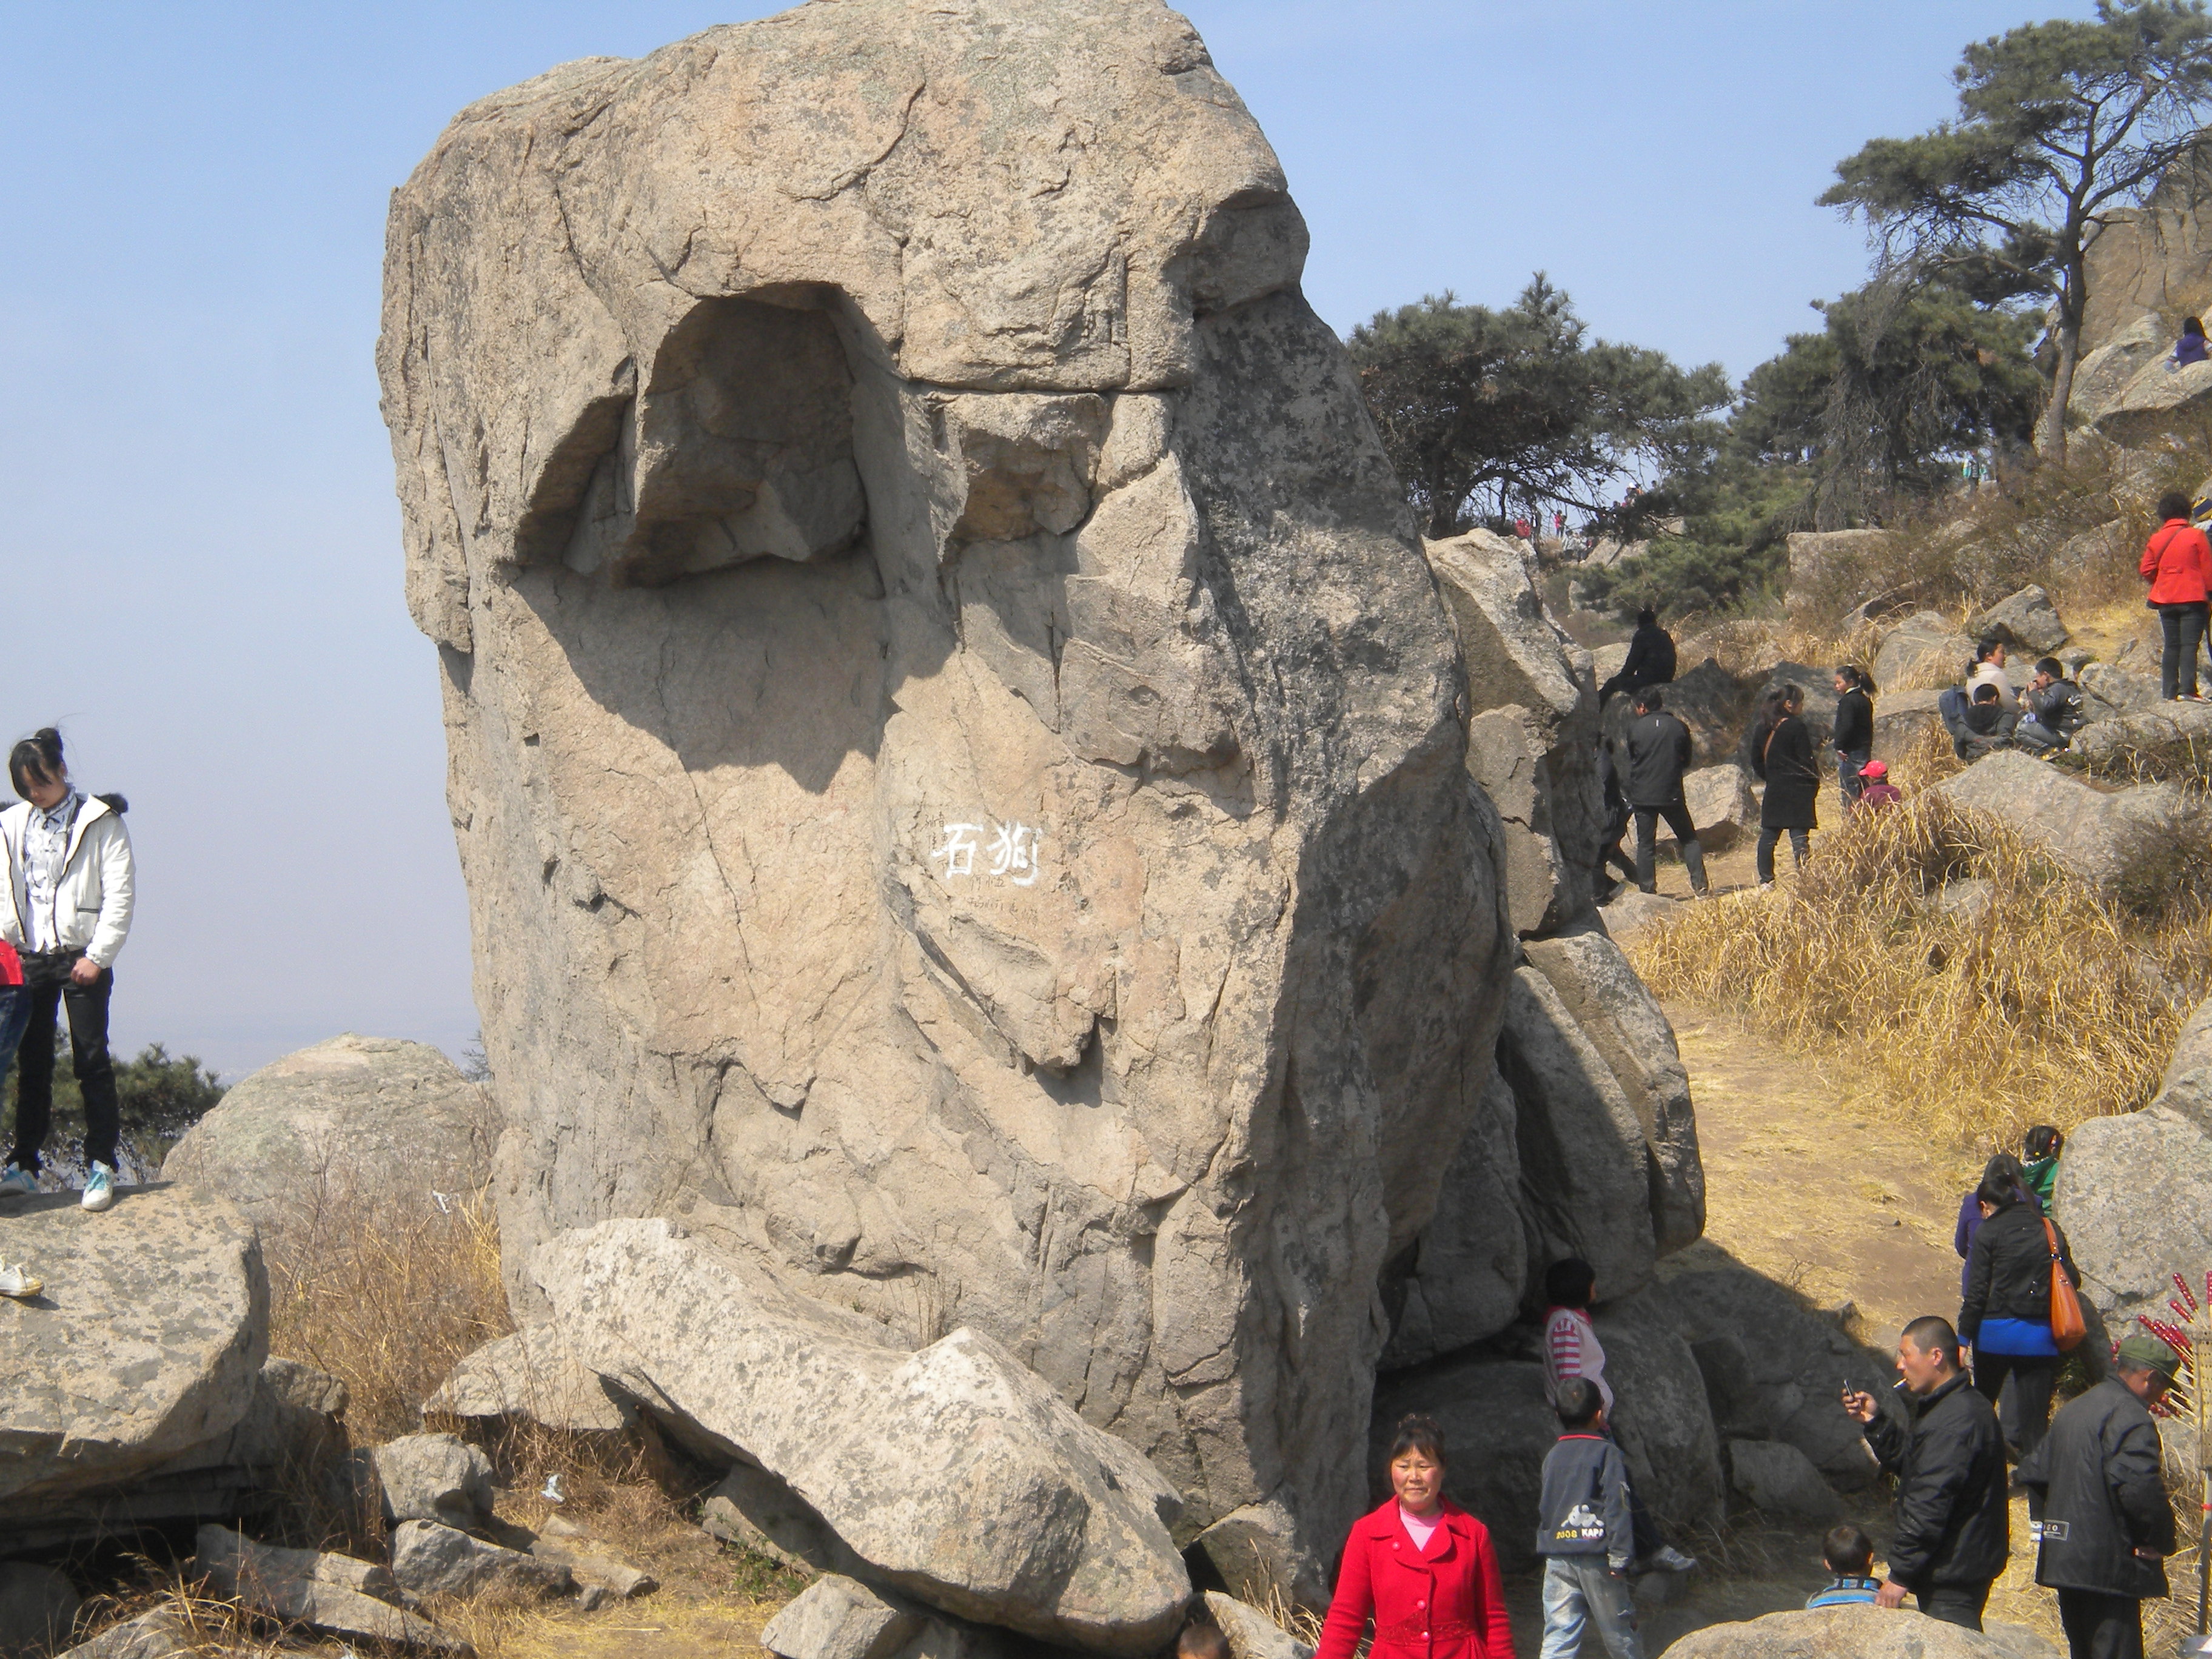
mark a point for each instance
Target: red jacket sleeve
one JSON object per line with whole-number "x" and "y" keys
{"x": 1354, "y": 1600}
{"x": 1497, "y": 1629}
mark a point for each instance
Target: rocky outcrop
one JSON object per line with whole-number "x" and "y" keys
{"x": 952, "y": 737}
{"x": 2157, "y": 402}
{"x": 2103, "y": 373}
{"x": 1532, "y": 737}
{"x": 953, "y": 1472}
{"x": 434, "y": 1478}
{"x": 1925, "y": 649}
{"x": 352, "y": 1112}
{"x": 2105, "y": 837}
{"x": 1815, "y": 555}
{"x": 1859, "y": 1632}
{"x": 2109, "y": 690}
{"x": 144, "y": 1349}
{"x": 430, "y": 1560}
{"x": 2135, "y": 1191}
{"x": 163, "y": 1632}
{"x": 2150, "y": 738}
{"x": 531, "y": 1374}
{"x": 1902, "y": 718}
{"x": 335, "y": 1594}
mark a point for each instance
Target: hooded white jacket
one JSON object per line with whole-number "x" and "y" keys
{"x": 93, "y": 897}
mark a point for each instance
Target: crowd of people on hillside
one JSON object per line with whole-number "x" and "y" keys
{"x": 1968, "y": 1422}
{"x": 65, "y": 908}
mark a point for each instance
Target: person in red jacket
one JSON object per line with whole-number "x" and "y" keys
{"x": 2178, "y": 565}
{"x": 1421, "y": 1565}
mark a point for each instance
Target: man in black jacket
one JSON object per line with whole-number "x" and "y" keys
{"x": 1659, "y": 750}
{"x": 1650, "y": 660}
{"x": 2098, "y": 1497}
{"x": 1953, "y": 1536}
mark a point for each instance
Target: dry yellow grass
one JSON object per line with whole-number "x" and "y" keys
{"x": 2039, "y": 1001}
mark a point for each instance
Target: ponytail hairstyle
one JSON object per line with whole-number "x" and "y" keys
{"x": 1856, "y": 677}
{"x": 2044, "y": 1141}
{"x": 1417, "y": 1431}
{"x": 36, "y": 759}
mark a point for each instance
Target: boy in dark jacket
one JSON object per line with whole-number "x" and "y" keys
{"x": 1585, "y": 1532}
{"x": 1942, "y": 1442}
{"x": 2054, "y": 710}
{"x": 2097, "y": 1495}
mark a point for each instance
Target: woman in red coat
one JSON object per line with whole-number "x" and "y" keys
{"x": 2178, "y": 565}
{"x": 1422, "y": 1566}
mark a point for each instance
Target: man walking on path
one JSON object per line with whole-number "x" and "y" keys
{"x": 1953, "y": 1536}
{"x": 1659, "y": 749}
{"x": 2098, "y": 1496}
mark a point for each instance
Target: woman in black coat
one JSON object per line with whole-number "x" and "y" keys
{"x": 1854, "y": 731}
{"x": 2005, "y": 1315}
{"x": 1782, "y": 754}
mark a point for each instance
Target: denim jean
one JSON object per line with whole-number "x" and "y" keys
{"x": 1847, "y": 774}
{"x": 2183, "y": 628}
{"x": 1800, "y": 840}
{"x": 1581, "y": 1593}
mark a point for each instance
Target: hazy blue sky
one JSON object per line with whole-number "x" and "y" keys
{"x": 199, "y": 534}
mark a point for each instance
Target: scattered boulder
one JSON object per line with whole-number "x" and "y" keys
{"x": 1858, "y": 1633}
{"x": 2135, "y": 1190}
{"x": 1533, "y": 732}
{"x": 154, "y": 1319}
{"x": 1925, "y": 649}
{"x": 1815, "y": 555}
{"x": 428, "y": 1559}
{"x": 1781, "y": 1481}
{"x": 1606, "y": 660}
{"x": 2103, "y": 373}
{"x": 2156, "y": 403}
{"x": 2149, "y": 735}
{"x": 593, "y": 1565}
{"x": 2095, "y": 549}
{"x": 1631, "y": 912}
{"x": 1900, "y": 718}
{"x": 2109, "y": 691}
{"x": 1246, "y": 1547}
{"x": 2027, "y": 621}
{"x": 434, "y": 1477}
{"x": 1721, "y": 805}
{"x": 332, "y": 1593}
{"x": 955, "y": 1474}
{"x": 1251, "y": 1633}
{"x": 354, "y": 1109}
{"x": 530, "y": 1373}
{"x": 1619, "y": 1016}
{"x": 2099, "y": 835}
{"x": 38, "y": 1610}
{"x": 840, "y": 1618}
{"x": 162, "y": 1632}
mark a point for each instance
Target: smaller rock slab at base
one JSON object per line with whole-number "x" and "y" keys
{"x": 332, "y": 1593}
{"x": 1631, "y": 912}
{"x": 530, "y": 1373}
{"x": 840, "y": 1618}
{"x": 162, "y": 1633}
{"x": 1858, "y": 1633}
{"x": 433, "y": 1560}
{"x": 593, "y": 1565}
{"x": 434, "y": 1477}
{"x": 1251, "y": 1633}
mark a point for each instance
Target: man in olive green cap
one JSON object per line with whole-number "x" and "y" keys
{"x": 2097, "y": 1495}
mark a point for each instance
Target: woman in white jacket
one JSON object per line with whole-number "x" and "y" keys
{"x": 66, "y": 911}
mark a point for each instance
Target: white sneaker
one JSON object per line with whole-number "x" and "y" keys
{"x": 99, "y": 1188}
{"x": 16, "y": 1282}
{"x": 18, "y": 1183}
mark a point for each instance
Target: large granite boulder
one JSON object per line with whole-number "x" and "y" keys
{"x": 1858, "y": 1633}
{"x": 1927, "y": 649}
{"x": 1901, "y": 718}
{"x": 2158, "y": 402}
{"x": 1821, "y": 561}
{"x": 953, "y": 740}
{"x": 145, "y": 1347}
{"x": 1532, "y": 740}
{"x": 1661, "y": 1413}
{"x": 350, "y": 1113}
{"x": 1722, "y": 807}
{"x": 2103, "y": 373}
{"x": 2103, "y": 836}
{"x": 2110, "y": 691}
{"x": 2135, "y": 1192}
{"x": 2147, "y": 740}
{"x": 2027, "y": 621}
{"x": 955, "y": 1474}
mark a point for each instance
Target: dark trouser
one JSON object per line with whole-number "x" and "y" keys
{"x": 1848, "y": 780}
{"x": 1800, "y": 840}
{"x": 1686, "y": 834}
{"x": 47, "y": 977}
{"x": 1956, "y": 1604}
{"x": 2032, "y": 1374}
{"x": 1612, "y": 857}
{"x": 2177, "y": 669}
{"x": 2101, "y": 1626}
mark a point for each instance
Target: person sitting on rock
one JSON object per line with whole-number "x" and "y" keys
{"x": 1650, "y": 659}
{"x": 1878, "y": 790}
{"x": 1585, "y": 1532}
{"x": 1990, "y": 724}
{"x": 2054, "y": 710}
{"x": 1848, "y": 1554}
{"x": 2039, "y": 1160}
{"x": 1659, "y": 752}
{"x": 1424, "y": 1568}
{"x": 2190, "y": 348}
{"x": 1988, "y": 667}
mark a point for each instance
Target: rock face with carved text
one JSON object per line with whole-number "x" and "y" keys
{"x": 956, "y": 751}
